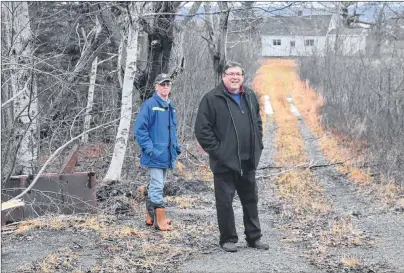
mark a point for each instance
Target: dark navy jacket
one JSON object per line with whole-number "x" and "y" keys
{"x": 156, "y": 132}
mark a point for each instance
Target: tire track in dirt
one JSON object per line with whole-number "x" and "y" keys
{"x": 384, "y": 226}
{"x": 320, "y": 226}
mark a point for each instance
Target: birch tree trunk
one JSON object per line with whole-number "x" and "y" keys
{"x": 217, "y": 39}
{"x": 115, "y": 167}
{"x": 119, "y": 63}
{"x": 90, "y": 99}
{"x": 22, "y": 85}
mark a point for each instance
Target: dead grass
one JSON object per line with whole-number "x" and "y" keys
{"x": 129, "y": 247}
{"x": 270, "y": 80}
{"x": 25, "y": 226}
{"x": 100, "y": 224}
{"x": 276, "y": 78}
{"x": 182, "y": 202}
{"x": 300, "y": 189}
{"x": 350, "y": 261}
{"x": 192, "y": 164}
{"x": 157, "y": 251}
{"x": 201, "y": 172}
{"x": 122, "y": 232}
{"x": 58, "y": 222}
{"x": 61, "y": 261}
{"x": 304, "y": 200}
{"x": 343, "y": 231}
{"x": 52, "y": 222}
{"x": 339, "y": 148}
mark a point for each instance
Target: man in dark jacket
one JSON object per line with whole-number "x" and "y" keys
{"x": 156, "y": 132}
{"x": 229, "y": 128}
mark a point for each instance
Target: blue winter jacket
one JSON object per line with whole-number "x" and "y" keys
{"x": 156, "y": 132}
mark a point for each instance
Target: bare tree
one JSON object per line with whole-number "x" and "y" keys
{"x": 364, "y": 100}
{"x": 115, "y": 167}
{"x": 177, "y": 54}
{"x": 90, "y": 96}
{"x": 21, "y": 86}
{"x": 90, "y": 99}
{"x": 159, "y": 26}
{"x": 217, "y": 38}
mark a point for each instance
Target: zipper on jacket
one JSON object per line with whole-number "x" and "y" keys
{"x": 239, "y": 105}
{"x": 235, "y": 129}
{"x": 169, "y": 136}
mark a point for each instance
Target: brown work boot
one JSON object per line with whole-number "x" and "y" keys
{"x": 160, "y": 221}
{"x": 150, "y": 220}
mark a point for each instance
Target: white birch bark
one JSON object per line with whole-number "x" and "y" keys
{"x": 90, "y": 99}
{"x": 119, "y": 64}
{"x": 121, "y": 141}
{"x": 22, "y": 83}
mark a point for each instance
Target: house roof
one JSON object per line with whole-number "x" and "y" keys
{"x": 349, "y": 31}
{"x": 315, "y": 25}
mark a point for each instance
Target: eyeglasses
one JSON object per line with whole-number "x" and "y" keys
{"x": 234, "y": 74}
{"x": 165, "y": 84}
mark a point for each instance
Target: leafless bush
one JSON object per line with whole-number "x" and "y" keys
{"x": 247, "y": 53}
{"x": 365, "y": 101}
{"x": 196, "y": 80}
{"x": 199, "y": 77}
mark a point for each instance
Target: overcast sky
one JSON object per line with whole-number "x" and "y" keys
{"x": 368, "y": 10}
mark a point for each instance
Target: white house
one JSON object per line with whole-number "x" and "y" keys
{"x": 284, "y": 36}
{"x": 352, "y": 40}
{"x": 294, "y": 36}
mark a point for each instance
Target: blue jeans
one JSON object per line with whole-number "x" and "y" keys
{"x": 156, "y": 186}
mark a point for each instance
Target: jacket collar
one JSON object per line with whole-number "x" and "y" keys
{"x": 232, "y": 92}
{"x": 162, "y": 102}
{"x": 222, "y": 91}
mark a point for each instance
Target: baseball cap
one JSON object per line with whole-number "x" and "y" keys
{"x": 162, "y": 78}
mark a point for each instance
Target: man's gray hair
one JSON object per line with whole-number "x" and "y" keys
{"x": 232, "y": 64}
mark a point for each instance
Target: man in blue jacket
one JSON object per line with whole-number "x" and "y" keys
{"x": 156, "y": 132}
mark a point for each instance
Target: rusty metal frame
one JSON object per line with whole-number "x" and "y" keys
{"x": 53, "y": 193}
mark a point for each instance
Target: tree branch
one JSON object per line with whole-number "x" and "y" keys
{"x": 50, "y": 159}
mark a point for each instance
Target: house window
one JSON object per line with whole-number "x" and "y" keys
{"x": 309, "y": 42}
{"x": 276, "y": 42}
{"x": 292, "y": 44}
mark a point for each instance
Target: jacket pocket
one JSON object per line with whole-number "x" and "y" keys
{"x": 145, "y": 159}
{"x": 160, "y": 153}
{"x": 217, "y": 152}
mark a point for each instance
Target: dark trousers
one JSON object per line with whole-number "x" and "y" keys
{"x": 225, "y": 186}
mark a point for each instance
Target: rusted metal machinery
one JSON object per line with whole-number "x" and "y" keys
{"x": 59, "y": 193}
{"x": 53, "y": 193}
